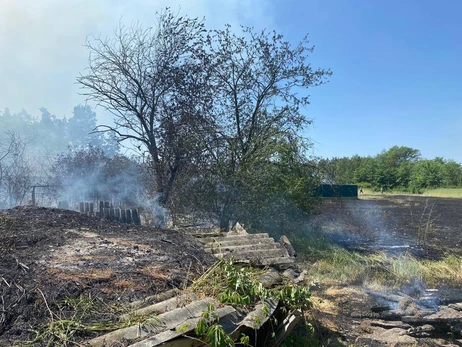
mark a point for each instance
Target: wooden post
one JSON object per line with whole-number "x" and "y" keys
{"x": 82, "y": 207}
{"x": 136, "y": 217}
{"x": 33, "y": 195}
{"x": 123, "y": 218}
{"x": 101, "y": 209}
{"x": 91, "y": 208}
{"x": 106, "y": 204}
{"x": 128, "y": 215}
{"x": 106, "y": 213}
{"x": 117, "y": 214}
{"x": 111, "y": 213}
{"x": 87, "y": 208}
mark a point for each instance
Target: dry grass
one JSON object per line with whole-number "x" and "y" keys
{"x": 444, "y": 192}
{"x": 155, "y": 272}
{"x": 342, "y": 266}
{"x": 444, "y": 272}
{"x": 438, "y": 192}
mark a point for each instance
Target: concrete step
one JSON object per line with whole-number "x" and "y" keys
{"x": 162, "y": 307}
{"x": 242, "y": 241}
{"x": 187, "y": 326}
{"x": 152, "y": 299}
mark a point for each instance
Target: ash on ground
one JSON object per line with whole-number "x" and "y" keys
{"x": 47, "y": 255}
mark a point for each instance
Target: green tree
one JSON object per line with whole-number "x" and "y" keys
{"x": 260, "y": 83}
{"x": 366, "y": 172}
{"x": 51, "y": 132}
{"x": 81, "y": 131}
{"x": 452, "y": 174}
{"x": 213, "y": 110}
{"x": 427, "y": 174}
{"x": 394, "y": 167}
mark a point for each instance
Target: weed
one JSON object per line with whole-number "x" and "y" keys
{"x": 211, "y": 332}
{"x": 424, "y": 224}
{"x": 239, "y": 287}
{"x": 447, "y": 271}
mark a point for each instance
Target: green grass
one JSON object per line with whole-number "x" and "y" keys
{"x": 437, "y": 192}
{"x": 344, "y": 267}
{"x": 79, "y": 318}
{"x": 331, "y": 264}
{"x": 444, "y": 192}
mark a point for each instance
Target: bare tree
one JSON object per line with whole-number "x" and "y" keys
{"x": 15, "y": 170}
{"x": 152, "y": 81}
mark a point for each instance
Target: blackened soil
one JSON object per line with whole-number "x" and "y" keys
{"x": 425, "y": 226}
{"x": 65, "y": 254}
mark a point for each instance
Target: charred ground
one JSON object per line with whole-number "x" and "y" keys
{"x": 374, "y": 223}
{"x": 48, "y": 255}
{"x": 351, "y": 314}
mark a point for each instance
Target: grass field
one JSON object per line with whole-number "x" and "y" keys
{"x": 439, "y": 192}
{"x": 444, "y": 192}
{"x": 342, "y": 266}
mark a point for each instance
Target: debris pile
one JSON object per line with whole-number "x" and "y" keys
{"x": 255, "y": 249}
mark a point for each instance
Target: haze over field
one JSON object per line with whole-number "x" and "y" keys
{"x": 396, "y": 65}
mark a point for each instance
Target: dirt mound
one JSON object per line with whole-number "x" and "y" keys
{"x": 47, "y": 255}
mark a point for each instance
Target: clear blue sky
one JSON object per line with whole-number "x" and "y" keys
{"x": 397, "y": 74}
{"x": 397, "y": 64}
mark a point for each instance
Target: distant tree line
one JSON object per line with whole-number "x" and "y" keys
{"x": 52, "y": 134}
{"x": 31, "y": 147}
{"x": 398, "y": 168}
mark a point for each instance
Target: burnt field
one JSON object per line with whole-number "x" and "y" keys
{"x": 398, "y": 282}
{"x": 51, "y": 256}
{"x": 48, "y": 256}
{"x": 425, "y": 226}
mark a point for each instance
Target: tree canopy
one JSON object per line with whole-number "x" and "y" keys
{"x": 398, "y": 168}
{"x": 214, "y": 109}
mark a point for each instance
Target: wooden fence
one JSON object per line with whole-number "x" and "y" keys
{"x": 122, "y": 215}
{"x": 107, "y": 211}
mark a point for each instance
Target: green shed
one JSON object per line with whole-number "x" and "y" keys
{"x": 337, "y": 191}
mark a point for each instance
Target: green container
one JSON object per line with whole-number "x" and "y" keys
{"x": 337, "y": 191}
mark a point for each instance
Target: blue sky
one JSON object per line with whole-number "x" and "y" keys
{"x": 397, "y": 74}
{"x": 397, "y": 64}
